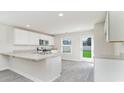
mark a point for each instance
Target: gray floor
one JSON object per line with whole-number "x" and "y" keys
{"x": 76, "y": 72}
{"x": 10, "y": 76}
{"x": 71, "y": 72}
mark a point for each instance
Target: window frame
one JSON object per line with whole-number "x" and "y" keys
{"x": 62, "y": 45}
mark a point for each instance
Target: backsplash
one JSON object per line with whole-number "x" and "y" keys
{"x": 28, "y": 47}
{"x": 17, "y": 47}
{"x": 122, "y": 48}
{"x": 119, "y": 48}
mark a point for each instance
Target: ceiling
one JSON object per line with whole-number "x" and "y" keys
{"x": 50, "y": 22}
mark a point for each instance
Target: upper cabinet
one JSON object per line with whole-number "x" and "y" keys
{"x": 51, "y": 40}
{"x": 23, "y": 37}
{"x": 114, "y": 26}
{"x": 33, "y": 38}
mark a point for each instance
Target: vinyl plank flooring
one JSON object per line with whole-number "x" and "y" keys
{"x": 21, "y": 79}
{"x": 10, "y": 76}
{"x": 76, "y": 72}
{"x": 7, "y": 75}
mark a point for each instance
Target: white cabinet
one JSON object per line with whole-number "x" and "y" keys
{"x": 49, "y": 38}
{"x": 33, "y": 38}
{"x": 23, "y": 37}
{"x": 109, "y": 70}
{"x": 43, "y": 37}
{"x": 115, "y": 26}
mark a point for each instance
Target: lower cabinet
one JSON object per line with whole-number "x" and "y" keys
{"x": 109, "y": 70}
{"x": 33, "y": 38}
{"x": 45, "y": 70}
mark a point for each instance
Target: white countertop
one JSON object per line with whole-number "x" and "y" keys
{"x": 30, "y": 55}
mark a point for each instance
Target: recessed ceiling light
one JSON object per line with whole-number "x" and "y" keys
{"x": 27, "y": 25}
{"x": 60, "y": 14}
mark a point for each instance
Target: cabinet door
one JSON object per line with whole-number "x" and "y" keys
{"x": 51, "y": 40}
{"x": 109, "y": 70}
{"x": 33, "y": 38}
{"x": 20, "y": 37}
{"x": 23, "y": 37}
{"x": 116, "y": 19}
{"x": 43, "y": 37}
{"x": 53, "y": 66}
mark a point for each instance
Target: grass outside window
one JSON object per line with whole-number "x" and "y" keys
{"x": 86, "y": 53}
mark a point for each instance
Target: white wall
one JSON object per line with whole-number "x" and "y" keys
{"x": 6, "y": 41}
{"x": 75, "y": 37}
{"x": 101, "y": 47}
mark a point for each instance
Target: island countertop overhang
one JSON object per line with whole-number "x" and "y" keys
{"x": 30, "y": 56}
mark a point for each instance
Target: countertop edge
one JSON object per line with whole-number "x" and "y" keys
{"x": 33, "y": 59}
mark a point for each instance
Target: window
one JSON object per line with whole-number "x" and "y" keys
{"x": 86, "y": 47}
{"x": 66, "y": 45}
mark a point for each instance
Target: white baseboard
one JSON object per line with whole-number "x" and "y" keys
{"x": 78, "y": 60}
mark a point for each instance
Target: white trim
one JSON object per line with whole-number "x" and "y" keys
{"x": 88, "y": 59}
{"x": 64, "y": 46}
{"x": 77, "y": 60}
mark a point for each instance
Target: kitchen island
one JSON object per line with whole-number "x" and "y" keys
{"x": 37, "y": 67}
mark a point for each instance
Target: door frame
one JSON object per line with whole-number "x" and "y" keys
{"x": 92, "y": 49}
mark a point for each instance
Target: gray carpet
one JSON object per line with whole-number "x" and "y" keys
{"x": 76, "y": 72}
